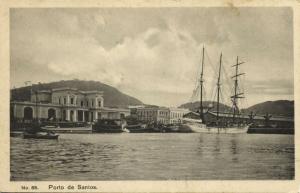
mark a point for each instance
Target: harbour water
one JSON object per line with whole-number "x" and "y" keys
{"x": 154, "y": 156}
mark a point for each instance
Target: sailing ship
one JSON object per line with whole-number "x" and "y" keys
{"x": 199, "y": 126}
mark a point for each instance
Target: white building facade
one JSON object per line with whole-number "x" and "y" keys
{"x": 160, "y": 115}
{"x": 65, "y": 104}
{"x": 176, "y": 115}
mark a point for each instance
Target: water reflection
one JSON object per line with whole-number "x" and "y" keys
{"x": 217, "y": 147}
{"x": 200, "y": 145}
{"x": 234, "y": 149}
{"x": 233, "y": 142}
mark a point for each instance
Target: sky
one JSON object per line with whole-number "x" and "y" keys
{"x": 154, "y": 54}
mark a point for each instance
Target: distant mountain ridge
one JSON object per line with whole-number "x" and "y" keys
{"x": 279, "y": 107}
{"x": 112, "y": 96}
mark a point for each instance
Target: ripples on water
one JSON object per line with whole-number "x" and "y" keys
{"x": 158, "y": 156}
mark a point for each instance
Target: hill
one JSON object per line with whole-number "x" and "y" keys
{"x": 279, "y": 107}
{"x": 112, "y": 96}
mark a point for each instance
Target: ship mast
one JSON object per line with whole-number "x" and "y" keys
{"x": 219, "y": 89}
{"x": 201, "y": 88}
{"x": 236, "y": 95}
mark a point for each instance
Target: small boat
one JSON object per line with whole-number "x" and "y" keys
{"x": 140, "y": 128}
{"x": 110, "y": 126}
{"x": 40, "y": 135}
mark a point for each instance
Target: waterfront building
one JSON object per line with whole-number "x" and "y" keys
{"x": 160, "y": 115}
{"x": 133, "y": 110}
{"x": 176, "y": 115}
{"x": 157, "y": 115}
{"x": 65, "y": 104}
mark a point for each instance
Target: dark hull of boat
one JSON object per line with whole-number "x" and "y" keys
{"x": 106, "y": 129}
{"x": 35, "y": 136}
{"x": 174, "y": 129}
{"x": 140, "y": 128}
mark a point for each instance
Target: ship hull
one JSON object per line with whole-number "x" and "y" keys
{"x": 138, "y": 128}
{"x": 229, "y": 130}
{"x": 192, "y": 128}
{"x": 201, "y": 128}
{"x": 109, "y": 126}
{"x": 102, "y": 128}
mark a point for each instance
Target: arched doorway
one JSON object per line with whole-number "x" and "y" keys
{"x": 51, "y": 114}
{"x": 28, "y": 113}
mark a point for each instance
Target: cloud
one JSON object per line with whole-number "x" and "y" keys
{"x": 135, "y": 64}
{"x": 158, "y": 51}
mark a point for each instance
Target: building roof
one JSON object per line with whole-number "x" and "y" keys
{"x": 192, "y": 113}
{"x": 75, "y": 90}
{"x": 64, "y": 89}
{"x": 152, "y": 108}
{"x": 44, "y": 91}
{"x": 91, "y": 92}
{"x": 136, "y": 106}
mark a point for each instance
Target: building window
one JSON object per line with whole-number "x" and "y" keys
{"x": 92, "y": 103}
{"x": 72, "y": 101}
{"x": 65, "y": 101}
{"x": 82, "y": 103}
{"x": 99, "y": 103}
{"x": 59, "y": 100}
{"x": 28, "y": 113}
{"x": 87, "y": 103}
